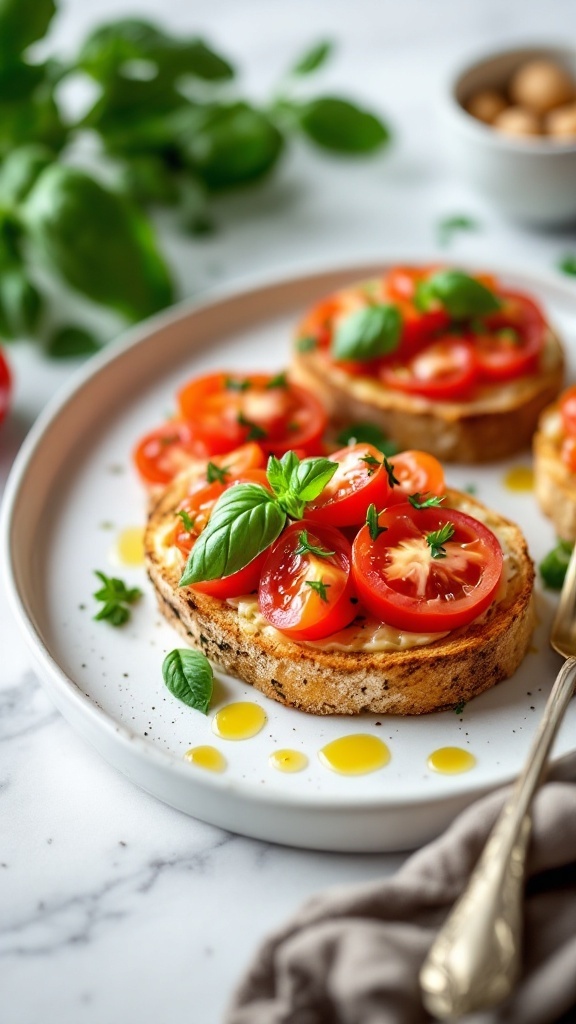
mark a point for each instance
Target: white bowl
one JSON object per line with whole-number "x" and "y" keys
{"x": 527, "y": 178}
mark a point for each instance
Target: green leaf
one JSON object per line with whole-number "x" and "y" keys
{"x": 568, "y": 265}
{"x": 28, "y": 109}
{"x": 461, "y": 296}
{"x": 71, "y": 341}
{"x": 367, "y": 433}
{"x": 148, "y": 179}
{"x": 314, "y": 58}
{"x": 368, "y": 333}
{"x": 372, "y": 522}
{"x": 187, "y": 522}
{"x": 189, "y": 677}
{"x": 228, "y": 144}
{"x": 448, "y": 227}
{"x": 340, "y": 126}
{"x": 217, "y": 474}
{"x": 23, "y": 22}
{"x": 420, "y": 501}
{"x": 100, "y": 244}
{"x": 320, "y": 588}
{"x": 438, "y": 538}
{"x": 306, "y": 344}
{"x": 115, "y": 595}
{"x": 280, "y": 471}
{"x": 554, "y": 565}
{"x": 21, "y": 304}
{"x": 110, "y": 47}
{"x": 305, "y": 547}
{"x": 20, "y": 170}
{"x": 310, "y": 476}
{"x": 245, "y": 520}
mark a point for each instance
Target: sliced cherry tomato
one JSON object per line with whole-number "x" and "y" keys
{"x": 5, "y": 386}
{"x": 305, "y": 594}
{"x": 359, "y": 481}
{"x": 164, "y": 452}
{"x": 417, "y": 473}
{"x": 418, "y": 327}
{"x": 445, "y": 370}
{"x": 401, "y": 582}
{"x": 514, "y": 339}
{"x": 228, "y": 410}
{"x": 568, "y": 411}
{"x": 233, "y": 464}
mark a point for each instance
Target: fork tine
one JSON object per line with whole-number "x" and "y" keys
{"x": 563, "y": 633}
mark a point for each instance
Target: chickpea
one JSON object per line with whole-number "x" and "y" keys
{"x": 486, "y": 105}
{"x": 541, "y": 85}
{"x": 561, "y": 122}
{"x": 517, "y": 121}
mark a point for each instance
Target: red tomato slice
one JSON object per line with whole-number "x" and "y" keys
{"x": 568, "y": 411}
{"x": 164, "y": 452}
{"x": 446, "y": 371}
{"x": 228, "y": 410}
{"x": 400, "y": 582}
{"x": 359, "y": 481}
{"x": 306, "y": 595}
{"x": 418, "y": 473}
{"x": 233, "y": 464}
{"x": 514, "y": 339}
{"x": 5, "y": 386}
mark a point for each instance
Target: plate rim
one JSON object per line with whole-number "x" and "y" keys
{"x": 63, "y": 688}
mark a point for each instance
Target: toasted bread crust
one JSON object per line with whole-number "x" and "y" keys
{"x": 499, "y": 423}
{"x": 554, "y": 484}
{"x": 407, "y": 682}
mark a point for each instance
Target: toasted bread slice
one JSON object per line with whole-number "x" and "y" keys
{"x": 328, "y": 678}
{"x": 498, "y": 422}
{"x": 554, "y": 484}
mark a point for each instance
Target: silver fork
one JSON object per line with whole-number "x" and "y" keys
{"x": 476, "y": 957}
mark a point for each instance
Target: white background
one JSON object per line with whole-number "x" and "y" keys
{"x": 113, "y": 907}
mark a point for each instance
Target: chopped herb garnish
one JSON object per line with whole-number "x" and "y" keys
{"x": 217, "y": 474}
{"x": 115, "y": 595}
{"x": 305, "y": 547}
{"x": 420, "y": 501}
{"x": 255, "y": 433}
{"x": 372, "y": 463}
{"x": 187, "y": 521}
{"x": 306, "y": 344}
{"x": 554, "y": 565}
{"x": 568, "y": 265}
{"x": 367, "y": 433}
{"x": 320, "y": 588}
{"x": 389, "y": 467}
{"x": 450, "y": 226}
{"x": 279, "y": 381}
{"x": 459, "y": 707}
{"x": 236, "y": 384}
{"x": 372, "y": 523}
{"x": 438, "y": 538}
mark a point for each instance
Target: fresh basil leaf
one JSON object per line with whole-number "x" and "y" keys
{"x": 189, "y": 677}
{"x": 23, "y": 22}
{"x": 71, "y": 341}
{"x": 568, "y": 265}
{"x": 148, "y": 179}
{"x": 21, "y": 304}
{"x": 554, "y": 565}
{"x": 309, "y": 477}
{"x": 340, "y": 126}
{"x": 280, "y": 472}
{"x": 450, "y": 226}
{"x": 367, "y": 433}
{"x": 461, "y": 296}
{"x": 20, "y": 170}
{"x": 245, "y": 520}
{"x": 228, "y": 144}
{"x": 368, "y": 333}
{"x": 313, "y": 59}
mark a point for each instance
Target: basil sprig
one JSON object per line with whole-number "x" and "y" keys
{"x": 461, "y": 296}
{"x": 247, "y": 518}
{"x": 188, "y": 675}
{"x": 368, "y": 333}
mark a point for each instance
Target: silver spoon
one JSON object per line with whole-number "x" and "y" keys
{"x": 476, "y": 957}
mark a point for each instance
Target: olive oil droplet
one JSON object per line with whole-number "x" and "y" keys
{"x": 519, "y": 478}
{"x": 129, "y": 547}
{"x": 239, "y": 721}
{"x": 356, "y": 754}
{"x": 206, "y": 757}
{"x": 288, "y": 760}
{"x": 451, "y": 760}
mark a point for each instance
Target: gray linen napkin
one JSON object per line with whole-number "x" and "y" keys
{"x": 352, "y": 955}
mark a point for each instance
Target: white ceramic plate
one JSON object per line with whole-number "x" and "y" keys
{"x": 74, "y": 478}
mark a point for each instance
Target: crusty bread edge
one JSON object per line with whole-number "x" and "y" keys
{"x": 554, "y": 484}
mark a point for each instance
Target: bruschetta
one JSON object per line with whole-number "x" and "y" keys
{"x": 555, "y": 464}
{"x": 455, "y": 364}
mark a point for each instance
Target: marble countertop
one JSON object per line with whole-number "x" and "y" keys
{"x": 114, "y": 907}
